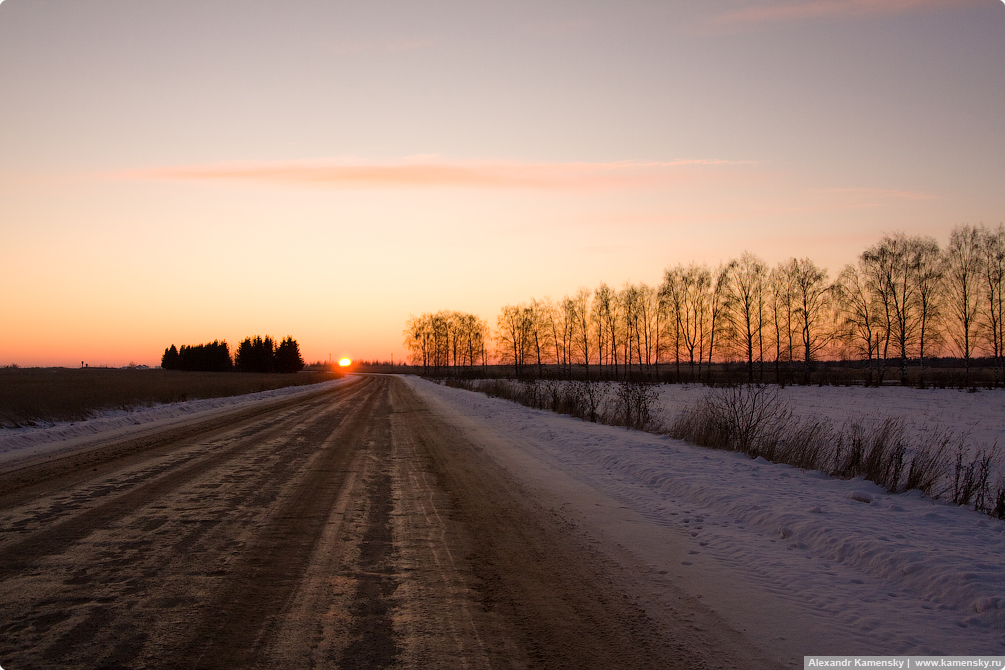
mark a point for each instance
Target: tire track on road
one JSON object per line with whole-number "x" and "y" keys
{"x": 55, "y": 538}
{"x": 236, "y": 626}
{"x": 133, "y": 601}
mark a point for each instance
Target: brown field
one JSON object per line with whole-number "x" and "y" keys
{"x": 31, "y": 395}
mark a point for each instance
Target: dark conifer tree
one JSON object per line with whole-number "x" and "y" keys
{"x": 211, "y": 357}
{"x": 256, "y": 354}
{"x": 288, "y": 357}
{"x": 169, "y": 361}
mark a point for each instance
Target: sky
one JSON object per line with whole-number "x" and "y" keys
{"x": 196, "y": 170}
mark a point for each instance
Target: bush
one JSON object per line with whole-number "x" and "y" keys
{"x": 970, "y": 480}
{"x": 756, "y": 421}
{"x": 746, "y": 418}
{"x": 634, "y": 406}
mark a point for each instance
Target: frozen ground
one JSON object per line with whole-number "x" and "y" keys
{"x": 808, "y": 564}
{"x": 18, "y": 443}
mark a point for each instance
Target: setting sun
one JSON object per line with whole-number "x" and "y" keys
{"x": 345, "y": 362}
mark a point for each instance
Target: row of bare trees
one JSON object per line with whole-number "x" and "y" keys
{"x": 905, "y": 297}
{"x": 447, "y": 339}
{"x": 696, "y": 316}
{"x": 901, "y": 300}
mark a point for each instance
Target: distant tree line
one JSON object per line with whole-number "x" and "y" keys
{"x": 447, "y": 339}
{"x": 253, "y": 355}
{"x": 211, "y": 357}
{"x": 259, "y": 354}
{"x": 903, "y": 299}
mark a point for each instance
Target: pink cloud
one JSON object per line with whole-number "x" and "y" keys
{"x": 812, "y": 9}
{"x": 348, "y": 47}
{"x": 541, "y": 176}
{"x": 882, "y": 193}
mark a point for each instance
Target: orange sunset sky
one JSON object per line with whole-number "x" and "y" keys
{"x": 179, "y": 172}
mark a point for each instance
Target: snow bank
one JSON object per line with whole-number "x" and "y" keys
{"x": 883, "y": 573}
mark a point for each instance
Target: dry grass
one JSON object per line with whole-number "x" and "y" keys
{"x": 32, "y": 395}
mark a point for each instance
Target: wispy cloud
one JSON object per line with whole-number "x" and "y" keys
{"x": 558, "y": 28}
{"x": 880, "y": 193}
{"x": 424, "y": 174}
{"x": 387, "y": 46}
{"x": 815, "y": 9}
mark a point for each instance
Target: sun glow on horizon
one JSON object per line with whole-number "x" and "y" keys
{"x": 460, "y": 157}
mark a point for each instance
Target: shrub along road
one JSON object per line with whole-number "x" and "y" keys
{"x": 351, "y": 528}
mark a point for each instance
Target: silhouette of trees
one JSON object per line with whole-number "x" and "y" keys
{"x": 541, "y": 313}
{"x": 256, "y": 354}
{"x": 963, "y": 290}
{"x": 514, "y": 330}
{"x": 859, "y": 324}
{"x": 902, "y": 291}
{"x": 169, "y": 361}
{"x": 605, "y": 315}
{"x": 211, "y": 357}
{"x": 746, "y": 308}
{"x": 252, "y": 355}
{"x": 781, "y": 306}
{"x": 906, "y": 273}
{"x": 446, "y": 339}
{"x": 287, "y": 357}
{"x": 719, "y": 326}
{"x": 812, "y": 300}
{"x": 695, "y": 286}
{"x": 993, "y": 305}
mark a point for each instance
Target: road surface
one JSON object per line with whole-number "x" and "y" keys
{"x": 351, "y": 528}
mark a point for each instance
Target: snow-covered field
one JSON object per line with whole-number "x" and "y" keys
{"x": 980, "y": 416}
{"x": 18, "y": 443}
{"x": 809, "y": 564}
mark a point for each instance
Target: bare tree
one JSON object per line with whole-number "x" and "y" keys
{"x": 746, "y": 288}
{"x": 418, "y": 341}
{"x": 897, "y": 260}
{"x": 963, "y": 288}
{"x": 608, "y": 308}
{"x": 642, "y": 320}
{"x": 813, "y": 300}
{"x": 993, "y": 263}
{"x": 875, "y": 271}
{"x": 601, "y": 306}
{"x": 472, "y": 335}
{"x": 928, "y": 274}
{"x": 718, "y": 309}
{"x": 628, "y": 297}
{"x": 541, "y": 315}
{"x": 513, "y": 335}
{"x": 859, "y": 323}
{"x": 695, "y": 284}
{"x": 781, "y": 305}
{"x": 445, "y": 340}
{"x": 582, "y": 313}
{"x": 566, "y": 322}
{"x": 672, "y": 297}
